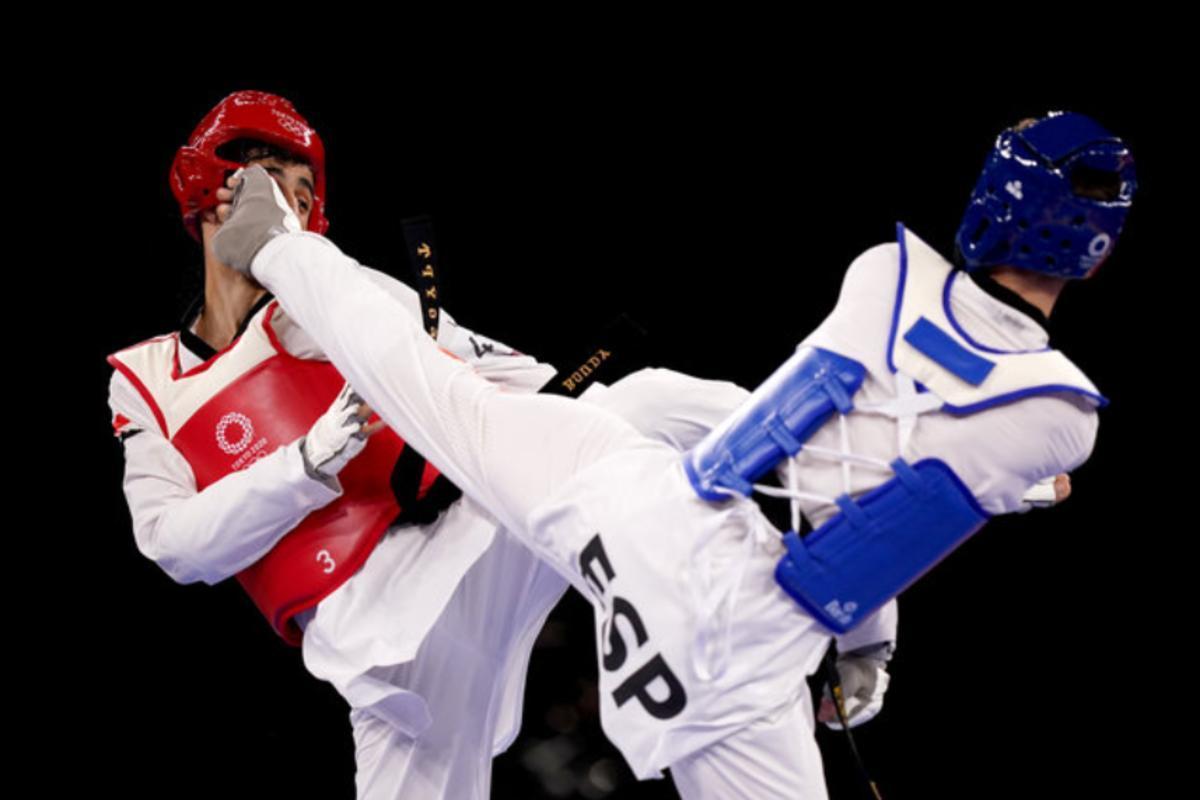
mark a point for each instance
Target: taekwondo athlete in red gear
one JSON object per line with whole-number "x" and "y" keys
{"x": 921, "y": 406}
{"x": 386, "y": 635}
{"x": 427, "y": 711}
{"x": 385, "y": 656}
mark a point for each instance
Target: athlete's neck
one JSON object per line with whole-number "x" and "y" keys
{"x": 227, "y": 300}
{"x": 1040, "y": 291}
{"x": 228, "y": 297}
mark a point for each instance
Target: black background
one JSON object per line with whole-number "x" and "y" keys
{"x": 719, "y": 205}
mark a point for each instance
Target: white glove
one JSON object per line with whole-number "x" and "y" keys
{"x": 336, "y": 437}
{"x": 864, "y": 678}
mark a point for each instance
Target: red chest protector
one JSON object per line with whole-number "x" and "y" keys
{"x": 240, "y": 406}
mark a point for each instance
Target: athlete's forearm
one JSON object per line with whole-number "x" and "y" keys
{"x": 214, "y": 534}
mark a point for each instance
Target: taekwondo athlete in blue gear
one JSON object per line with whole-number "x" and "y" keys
{"x": 1025, "y": 211}
{"x": 684, "y": 588}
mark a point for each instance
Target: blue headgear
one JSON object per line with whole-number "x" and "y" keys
{"x": 1025, "y": 210}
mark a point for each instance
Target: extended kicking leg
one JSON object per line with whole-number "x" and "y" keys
{"x": 507, "y": 451}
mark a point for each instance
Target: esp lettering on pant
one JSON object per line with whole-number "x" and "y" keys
{"x": 637, "y": 685}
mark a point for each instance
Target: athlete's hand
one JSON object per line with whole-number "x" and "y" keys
{"x": 337, "y": 436}
{"x": 1062, "y": 487}
{"x": 1047, "y": 492}
{"x": 864, "y": 678}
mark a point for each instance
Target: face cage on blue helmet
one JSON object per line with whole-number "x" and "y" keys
{"x": 1026, "y": 211}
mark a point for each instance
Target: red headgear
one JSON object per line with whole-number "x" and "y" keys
{"x": 198, "y": 171}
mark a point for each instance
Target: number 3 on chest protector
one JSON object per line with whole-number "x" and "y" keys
{"x": 654, "y": 672}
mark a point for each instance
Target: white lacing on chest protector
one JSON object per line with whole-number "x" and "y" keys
{"x": 715, "y": 597}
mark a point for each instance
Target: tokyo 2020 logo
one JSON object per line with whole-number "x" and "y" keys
{"x": 237, "y": 425}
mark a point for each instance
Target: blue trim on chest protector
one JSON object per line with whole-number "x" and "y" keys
{"x": 773, "y": 423}
{"x": 845, "y": 570}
